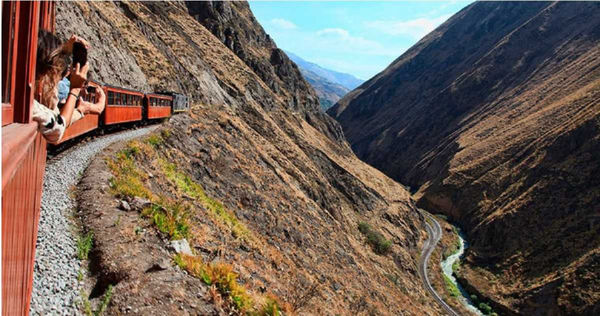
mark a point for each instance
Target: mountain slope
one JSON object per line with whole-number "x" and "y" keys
{"x": 348, "y": 81}
{"x": 328, "y": 85}
{"x": 328, "y": 92}
{"x": 495, "y": 117}
{"x": 234, "y": 25}
{"x": 257, "y": 145}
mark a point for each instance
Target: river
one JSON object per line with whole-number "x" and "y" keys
{"x": 447, "y": 269}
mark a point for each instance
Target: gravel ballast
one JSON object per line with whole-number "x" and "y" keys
{"x": 55, "y": 285}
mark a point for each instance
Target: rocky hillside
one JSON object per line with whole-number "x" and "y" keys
{"x": 234, "y": 25}
{"x": 495, "y": 118}
{"x": 258, "y": 180}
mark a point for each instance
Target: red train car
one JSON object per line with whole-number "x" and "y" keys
{"x": 122, "y": 105}
{"x": 157, "y": 106}
{"x": 23, "y": 149}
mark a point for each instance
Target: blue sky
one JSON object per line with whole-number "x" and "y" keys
{"x": 357, "y": 37}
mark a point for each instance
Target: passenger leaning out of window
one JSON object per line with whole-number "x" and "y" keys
{"x": 82, "y": 106}
{"x": 51, "y": 62}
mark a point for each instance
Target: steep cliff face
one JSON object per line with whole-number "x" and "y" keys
{"x": 495, "y": 117}
{"x": 234, "y": 25}
{"x": 250, "y": 141}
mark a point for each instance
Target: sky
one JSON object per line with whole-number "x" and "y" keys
{"x": 357, "y": 37}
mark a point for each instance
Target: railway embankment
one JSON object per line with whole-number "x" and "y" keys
{"x": 56, "y": 288}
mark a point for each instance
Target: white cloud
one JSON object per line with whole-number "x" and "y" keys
{"x": 416, "y": 28}
{"x": 283, "y": 24}
{"x": 341, "y": 40}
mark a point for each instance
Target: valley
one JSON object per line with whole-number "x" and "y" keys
{"x": 494, "y": 118}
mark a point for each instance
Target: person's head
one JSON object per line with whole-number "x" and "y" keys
{"x": 49, "y": 67}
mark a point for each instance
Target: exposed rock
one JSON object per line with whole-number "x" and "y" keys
{"x": 139, "y": 203}
{"x": 124, "y": 206}
{"x": 495, "y": 117}
{"x": 233, "y": 23}
{"x": 181, "y": 246}
{"x": 162, "y": 264}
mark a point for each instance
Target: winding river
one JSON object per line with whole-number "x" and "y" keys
{"x": 447, "y": 269}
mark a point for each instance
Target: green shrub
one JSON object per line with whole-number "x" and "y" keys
{"x": 451, "y": 287}
{"x": 105, "y": 300}
{"x": 485, "y": 308}
{"x": 379, "y": 244}
{"x": 155, "y": 140}
{"x": 165, "y": 133}
{"x": 84, "y": 245}
{"x": 189, "y": 187}
{"x": 474, "y": 298}
{"x": 170, "y": 218}
{"x": 455, "y": 266}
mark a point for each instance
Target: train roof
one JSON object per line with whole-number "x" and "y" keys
{"x": 121, "y": 88}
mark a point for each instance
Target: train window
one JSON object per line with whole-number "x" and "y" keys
{"x": 111, "y": 97}
{"x": 123, "y": 99}
{"x": 8, "y": 44}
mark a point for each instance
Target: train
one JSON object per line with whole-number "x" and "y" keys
{"x": 125, "y": 105}
{"x": 24, "y": 150}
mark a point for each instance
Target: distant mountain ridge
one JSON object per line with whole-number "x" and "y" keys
{"x": 329, "y": 85}
{"x": 343, "y": 79}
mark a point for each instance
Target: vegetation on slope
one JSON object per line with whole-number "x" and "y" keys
{"x": 171, "y": 217}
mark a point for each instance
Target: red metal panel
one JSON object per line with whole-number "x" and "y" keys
{"x": 88, "y": 123}
{"x": 10, "y": 32}
{"x": 23, "y": 161}
{"x": 7, "y": 113}
{"x": 114, "y": 114}
{"x": 23, "y": 153}
{"x": 155, "y": 112}
{"x": 26, "y": 59}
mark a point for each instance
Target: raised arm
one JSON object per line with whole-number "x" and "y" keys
{"x": 78, "y": 78}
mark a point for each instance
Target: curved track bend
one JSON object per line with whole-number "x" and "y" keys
{"x": 434, "y": 233}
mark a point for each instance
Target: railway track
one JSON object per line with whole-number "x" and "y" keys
{"x": 434, "y": 234}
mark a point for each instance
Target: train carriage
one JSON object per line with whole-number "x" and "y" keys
{"x": 122, "y": 105}
{"x": 157, "y": 106}
{"x": 23, "y": 149}
{"x": 180, "y": 103}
